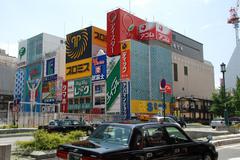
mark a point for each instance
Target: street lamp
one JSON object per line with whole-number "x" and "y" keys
{"x": 223, "y": 70}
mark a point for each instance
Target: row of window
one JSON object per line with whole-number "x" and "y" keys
{"x": 98, "y": 100}
{"x": 175, "y": 71}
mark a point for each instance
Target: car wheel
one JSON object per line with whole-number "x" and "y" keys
{"x": 213, "y": 127}
{"x": 207, "y": 157}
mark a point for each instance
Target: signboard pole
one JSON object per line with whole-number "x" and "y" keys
{"x": 164, "y": 105}
{"x": 163, "y": 85}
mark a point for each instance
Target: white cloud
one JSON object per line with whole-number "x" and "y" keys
{"x": 10, "y": 48}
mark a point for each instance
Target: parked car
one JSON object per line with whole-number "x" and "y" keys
{"x": 234, "y": 120}
{"x": 142, "y": 141}
{"x": 161, "y": 119}
{"x": 180, "y": 120}
{"x": 67, "y": 125}
{"x": 217, "y": 122}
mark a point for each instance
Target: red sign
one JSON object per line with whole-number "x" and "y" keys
{"x": 121, "y": 25}
{"x": 65, "y": 96}
{"x": 125, "y": 60}
{"x": 155, "y": 31}
{"x": 168, "y": 89}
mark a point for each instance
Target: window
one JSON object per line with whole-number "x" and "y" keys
{"x": 76, "y": 101}
{"x": 175, "y": 71}
{"x": 99, "y": 100}
{"x": 185, "y": 70}
{"x": 99, "y": 89}
{"x": 70, "y": 101}
{"x": 81, "y": 100}
{"x": 87, "y": 100}
{"x": 176, "y": 136}
{"x": 155, "y": 136}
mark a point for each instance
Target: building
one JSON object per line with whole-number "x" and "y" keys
{"x": 7, "y": 72}
{"x": 40, "y": 72}
{"x": 232, "y": 70}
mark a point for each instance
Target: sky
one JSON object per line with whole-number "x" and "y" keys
{"x": 202, "y": 20}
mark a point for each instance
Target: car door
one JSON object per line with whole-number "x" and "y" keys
{"x": 156, "y": 144}
{"x": 182, "y": 146}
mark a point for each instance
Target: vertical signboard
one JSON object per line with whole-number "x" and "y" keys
{"x": 121, "y": 25}
{"x": 50, "y": 67}
{"x": 49, "y": 89}
{"x": 78, "y": 45}
{"x": 125, "y": 100}
{"x": 113, "y": 85}
{"x": 99, "y": 41}
{"x": 99, "y": 68}
{"x": 70, "y": 89}
{"x": 125, "y": 60}
{"x": 22, "y": 53}
{"x": 65, "y": 96}
{"x": 19, "y": 84}
{"x": 82, "y": 87}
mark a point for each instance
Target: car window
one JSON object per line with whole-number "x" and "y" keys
{"x": 75, "y": 123}
{"x": 171, "y": 120}
{"x": 52, "y": 123}
{"x": 176, "y": 136}
{"x": 67, "y": 122}
{"x": 155, "y": 136}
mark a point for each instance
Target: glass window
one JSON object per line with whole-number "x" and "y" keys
{"x": 155, "y": 136}
{"x": 175, "y": 70}
{"x": 88, "y": 100}
{"x": 76, "y": 101}
{"x": 176, "y": 136}
{"x": 70, "y": 101}
{"x": 99, "y": 100}
{"x": 99, "y": 89}
{"x": 81, "y": 100}
{"x": 185, "y": 70}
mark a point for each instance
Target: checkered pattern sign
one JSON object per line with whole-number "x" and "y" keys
{"x": 19, "y": 84}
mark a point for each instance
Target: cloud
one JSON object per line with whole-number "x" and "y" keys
{"x": 10, "y": 48}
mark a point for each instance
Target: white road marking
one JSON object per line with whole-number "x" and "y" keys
{"x": 234, "y": 146}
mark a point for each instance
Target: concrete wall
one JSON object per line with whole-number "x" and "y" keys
{"x": 200, "y": 79}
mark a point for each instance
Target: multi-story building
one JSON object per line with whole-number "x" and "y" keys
{"x": 40, "y": 69}
{"x": 7, "y": 72}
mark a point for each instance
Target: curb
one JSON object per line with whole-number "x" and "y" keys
{"x": 15, "y": 135}
{"x": 218, "y": 143}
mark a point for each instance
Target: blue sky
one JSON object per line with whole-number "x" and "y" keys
{"x": 202, "y": 20}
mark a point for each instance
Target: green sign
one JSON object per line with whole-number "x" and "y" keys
{"x": 21, "y": 52}
{"x": 113, "y": 85}
{"x": 82, "y": 87}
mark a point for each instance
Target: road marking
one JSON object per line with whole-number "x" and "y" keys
{"x": 235, "y": 146}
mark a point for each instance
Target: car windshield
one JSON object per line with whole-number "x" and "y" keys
{"x": 218, "y": 119}
{"x": 111, "y": 134}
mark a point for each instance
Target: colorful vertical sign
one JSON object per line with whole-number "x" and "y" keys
{"x": 49, "y": 89}
{"x": 65, "y": 96}
{"x": 99, "y": 68}
{"x": 82, "y": 87}
{"x": 50, "y": 67}
{"x": 19, "y": 84}
{"x": 125, "y": 60}
{"x": 155, "y": 31}
{"x": 22, "y": 54}
{"x": 121, "y": 25}
{"x": 78, "y": 45}
{"x": 113, "y": 85}
{"x": 125, "y": 100}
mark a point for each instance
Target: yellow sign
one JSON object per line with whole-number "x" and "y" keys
{"x": 150, "y": 107}
{"x": 99, "y": 37}
{"x": 125, "y": 45}
{"x": 79, "y": 69}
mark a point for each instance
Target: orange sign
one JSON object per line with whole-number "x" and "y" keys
{"x": 99, "y": 37}
{"x": 125, "y": 60}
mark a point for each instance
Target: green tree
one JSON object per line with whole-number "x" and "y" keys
{"x": 235, "y": 102}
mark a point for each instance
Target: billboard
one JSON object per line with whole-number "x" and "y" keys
{"x": 65, "y": 96}
{"x": 125, "y": 100}
{"x": 121, "y": 25}
{"x": 99, "y": 68}
{"x": 113, "y": 85}
{"x": 70, "y": 89}
{"x": 99, "y": 37}
{"x": 50, "y": 67}
{"x": 125, "y": 60}
{"x": 82, "y": 87}
{"x": 79, "y": 69}
{"x": 78, "y": 45}
{"x": 22, "y": 54}
{"x": 49, "y": 89}
{"x": 155, "y": 31}
{"x": 148, "y": 106}
{"x": 19, "y": 84}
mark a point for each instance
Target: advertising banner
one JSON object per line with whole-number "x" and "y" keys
{"x": 125, "y": 100}
{"x": 111, "y": 62}
{"x": 70, "y": 89}
{"x": 22, "y": 54}
{"x": 99, "y": 68}
{"x": 148, "y": 106}
{"x": 79, "y": 69}
{"x": 99, "y": 37}
{"x": 59, "y": 88}
{"x": 155, "y": 31}
{"x": 113, "y": 85}
{"x": 49, "y": 89}
{"x": 125, "y": 61}
{"x": 19, "y": 84}
{"x": 65, "y": 96}
{"x": 121, "y": 25}
{"x": 50, "y": 67}
{"x": 78, "y": 45}
{"x": 82, "y": 87}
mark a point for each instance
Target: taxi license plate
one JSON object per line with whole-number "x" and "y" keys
{"x": 74, "y": 156}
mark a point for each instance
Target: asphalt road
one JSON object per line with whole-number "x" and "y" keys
{"x": 13, "y": 140}
{"x": 229, "y": 152}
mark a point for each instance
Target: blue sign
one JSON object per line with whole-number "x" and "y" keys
{"x": 125, "y": 100}
{"x": 50, "y": 68}
{"x": 99, "y": 68}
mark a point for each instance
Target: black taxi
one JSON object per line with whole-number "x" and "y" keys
{"x": 144, "y": 141}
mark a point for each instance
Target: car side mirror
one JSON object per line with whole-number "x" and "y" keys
{"x": 209, "y": 138}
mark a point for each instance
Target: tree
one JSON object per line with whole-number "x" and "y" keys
{"x": 236, "y": 98}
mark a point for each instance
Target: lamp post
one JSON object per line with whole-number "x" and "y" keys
{"x": 223, "y": 70}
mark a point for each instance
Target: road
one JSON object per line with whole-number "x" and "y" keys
{"x": 12, "y": 140}
{"x": 229, "y": 152}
